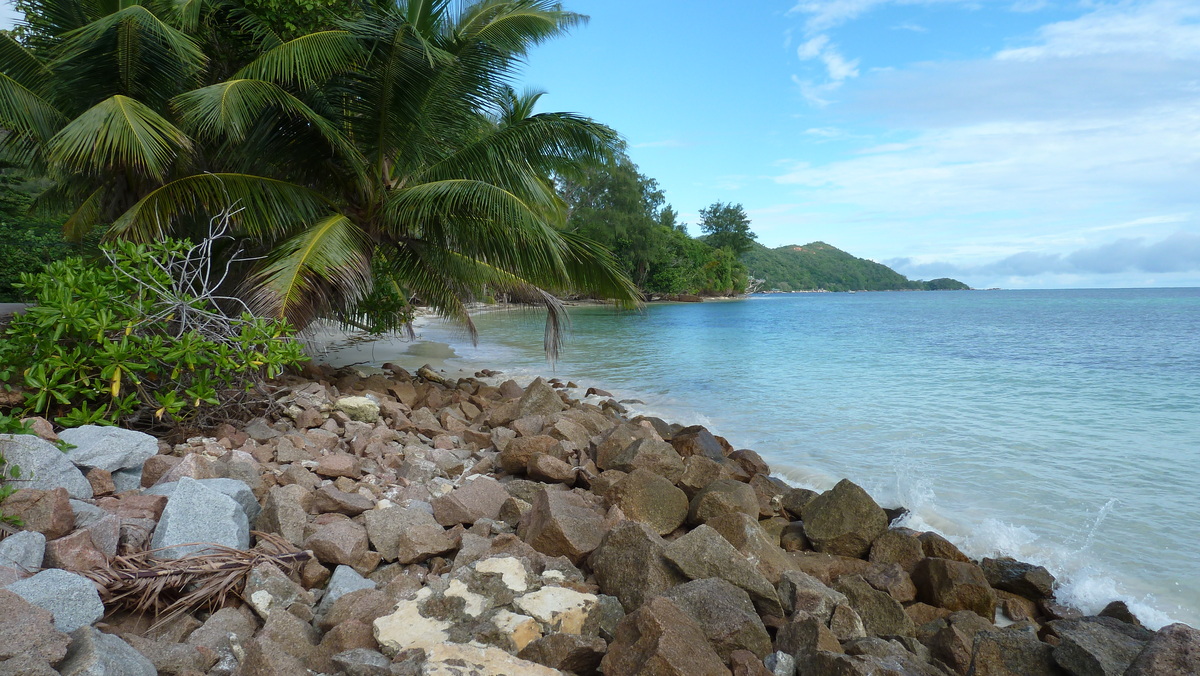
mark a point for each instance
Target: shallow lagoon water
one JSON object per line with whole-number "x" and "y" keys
{"x": 1059, "y": 427}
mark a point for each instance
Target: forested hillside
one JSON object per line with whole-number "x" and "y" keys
{"x": 821, "y": 266}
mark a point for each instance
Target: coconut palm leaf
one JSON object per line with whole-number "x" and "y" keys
{"x": 306, "y": 60}
{"x": 268, "y": 208}
{"x": 18, "y": 63}
{"x": 30, "y": 119}
{"x": 118, "y": 134}
{"x": 325, "y": 266}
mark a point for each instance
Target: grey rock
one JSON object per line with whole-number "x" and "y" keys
{"x": 127, "y": 479}
{"x": 196, "y": 513}
{"x": 344, "y": 580}
{"x": 1025, "y": 579}
{"x": 43, "y": 466}
{"x": 780, "y": 663}
{"x": 93, "y": 653}
{"x": 802, "y": 593}
{"x": 27, "y": 664}
{"x": 234, "y": 488}
{"x": 881, "y": 614}
{"x": 539, "y": 399}
{"x": 86, "y": 513}
{"x": 1012, "y": 653}
{"x": 844, "y": 520}
{"x": 726, "y": 615}
{"x": 71, "y": 598}
{"x": 407, "y": 535}
{"x": 109, "y": 448}
{"x": 363, "y": 662}
{"x": 1175, "y": 649}
{"x": 24, "y": 550}
{"x": 629, "y": 564}
{"x": 1098, "y": 646}
{"x": 703, "y": 553}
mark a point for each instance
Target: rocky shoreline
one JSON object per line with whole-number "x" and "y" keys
{"x": 406, "y": 524}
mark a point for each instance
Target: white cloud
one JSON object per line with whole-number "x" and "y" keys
{"x": 836, "y": 65}
{"x": 910, "y": 26}
{"x": 825, "y": 14}
{"x": 1164, "y": 28}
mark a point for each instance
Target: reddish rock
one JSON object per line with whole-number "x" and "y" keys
{"x": 337, "y": 541}
{"x": 844, "y": 520}
{"x": 156, "y": 466}
{"x": 348, "y": 635}
{"x": 549, "y": 469}
{"x": 328, "y": 499}
{"x": 651, "y": 499}
{"x": 475, "y": 499}
{"x": 515, "y": 457}
{"x": 893, "y": 580}
{"x": 697, "y": 440}
{"x": 629, "y": 564}
{"x": 751, "y": 462}
{"x": 955, "y": 585}
{"x": 101, "y": 481}
{"x": 566, "y": 652}
{"x": 661, "y": 639}
{"x": 936, "y": 546}
{"x": 562, "y": 524}
{"x": 698, "y": 473}
{"x": 26, "y": 629}
{"x": 41, "y": 427}
{"x": 137, "y": 506}
{"x": 650, "y": 454}
{"x": 899, "y": 546}
{"x": 1175, "y": 649}
{"x": 746, "y": 663}
{"x": 722, "y": 497}
{"x": 74, "y": 552}
{"x": 339, "y": 464}
{"x": 193, "y": 465}
{"x": 47, "y": 512}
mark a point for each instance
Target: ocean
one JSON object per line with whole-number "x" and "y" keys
{"x": 1059, "y": 427}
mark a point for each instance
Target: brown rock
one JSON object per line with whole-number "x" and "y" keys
{"x": 348, "y": 635}
{"x": 892, "y": 579}
{"x": 660, "y": 639}
{"x": 47, "y": 512}
{"x": 955, "y": 585}
{"x": 478, "y": 498}
{"x": 549, "y": 469}
{"x": 651, "y": 499}
{"x": 899, "y": 546}
{"x": 566, "y": 652}
{"x": 748, "y": 537}
{"x": 74, "y": 552}
{"x": 285, "y": 512}
{"x": 1097, "y": 645}
{"x": 407, "y": 535}
{"x": 539, "y": 399}
{"x": 1120, "y": 611}
{"x": 827, "y": 567}
{"x": 802, "y": 594}
{"x": 328, "y": 499}
{"x": 805, "y": 635}
{"x": 41, "y": 427}
{"x": 923, "y": 613}
{"x": 935, "y": 545}
{"x": 361, "y": 605}
{"x": 703, "y": 553}
{"x": 793, "y": 539}
{"x": 562, "y": 524}
{"x": 880, "y": 613}
{"x": 26, "y": 629}
{"x": 722, "y": 497}
{"x": 193, "y": 465}
{"x": 1175, "y": 649}
{"x": 1016, "y": 608}
{"x": 1014, "y": 653}
{"x": 650, "y": 454}
{"x": 629, "y": 565}
{"x": 156, "y": 466}
{"x": 725, "y": 614}
{"x": 339, "y": 464}
{"x": 769, "y": 492}
{"x": 746, "y": 663}
{"x": 795, "y": 499}
{"x": 101, "y": 481}
{"x": 337, "y": 540}
{"x": 698, "y": 472}
{"x": 515, "y": 456}
{"x": 1032, "y": 582}
{"x": 696, "y": 440}
{"x": 751, "y": 462}
{"x": 172, "y": 658}
{"x": 264, "y": 657}
{"x": 844, "y": 520}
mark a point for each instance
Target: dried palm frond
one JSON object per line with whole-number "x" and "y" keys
{"x": 144, "y": 582}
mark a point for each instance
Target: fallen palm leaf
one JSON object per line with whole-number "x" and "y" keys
{"x": 144, "y": 582}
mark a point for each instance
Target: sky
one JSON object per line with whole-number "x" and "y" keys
{"x": 1006, "y": 143}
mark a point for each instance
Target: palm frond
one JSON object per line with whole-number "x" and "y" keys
{"x": 268, "y": 208}
{"x": 326, "y": 266}
{"x": 81, "y": 221}
{"x": 305, "y": 60}
{"x": 118, "y": 134}
{"x": 30, "y": 119}
{"x": 514, "y": 27}
{"x": 18, "y": 63}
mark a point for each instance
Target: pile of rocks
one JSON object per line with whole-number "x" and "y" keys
{"x": 468, "y": 527}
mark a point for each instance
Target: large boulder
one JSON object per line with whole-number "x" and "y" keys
{"x": 801, "y": 593}
{"x": 1175, "y": 649}
{"x": 1097, "y": 646}
{"x": 406, "y": 534}
{"x": 47, "y": 512}
{"x": 722, "y": 496}
{"x": 650, "y": 454}
{"x": 23, "y": 550}
{"x": 43, "y": 466}
{"x": 478, "y": 498}
{"x": 703, "y": 553}
{"x": 899, "y": 546}
{"x": 660, "y": 639}
{"x": 881, "y": 614}
{"x": 108, "y": 448}
{"x": 71, "y": 598}
{"x": 696, "y": 440}
{"x": 27, "y": 628}
{"x": 566, "y": 652}
{"x": 94, "y": 653}
{"x": 196, "y": 513}
{"x": 1011, "y": 653}
{"x": 539, "y": 399}
{"x": 748, "y": 537}
{"x": 561, "y": 523}
{"x": 629, "y": 564}
{"x": 844, "y": 520}
{"x": 240, "y": 491}
{"x": 725, "y": 614}
{"x": 651, "y": 499}
{"x": 955, "y": 585}
{"x": 336, "y": 539}
{"x": 1024, "y": 579}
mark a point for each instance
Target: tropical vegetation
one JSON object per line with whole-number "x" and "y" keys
{"x": 624, "y": 210}
{"x": 820, "y": 266}
{"x": 380, "y": 160}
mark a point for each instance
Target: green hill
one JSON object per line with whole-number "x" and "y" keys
{"x": 821, "y": 266}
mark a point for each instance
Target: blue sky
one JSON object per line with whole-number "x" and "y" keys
{"x": 1012, "y": 143}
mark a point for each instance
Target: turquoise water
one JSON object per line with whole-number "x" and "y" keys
{"x": 1060, "y": 427}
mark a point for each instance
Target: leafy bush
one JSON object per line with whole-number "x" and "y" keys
{"x": 142, "y": 339}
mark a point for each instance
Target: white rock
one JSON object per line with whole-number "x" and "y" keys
{"x": 520, "y": 629}
{"x": 361, "y": 409}
{"x": 512, "y": 571}
{"x": 455, "y": 659}
{"x": 559, "y": 609}
{"x": 407, "y": 628}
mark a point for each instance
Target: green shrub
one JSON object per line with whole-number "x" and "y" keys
{"x": 141, "y": 338}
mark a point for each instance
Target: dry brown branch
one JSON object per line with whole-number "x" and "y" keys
{"x": 144, "y": 582}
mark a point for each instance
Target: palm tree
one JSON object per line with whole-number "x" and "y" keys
{"x": 383, "y": 160}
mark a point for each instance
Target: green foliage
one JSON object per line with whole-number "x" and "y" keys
{"x": 820, "y": 266}
{"x": 619, "y": 207}
{"x": 10, "y": 425}
{"x": 372, "y": 152}
{"x": 128, "y": 342}
{"x": 27, "y": 242}
{"x": 946, "y": 284}
{"x": 727, "y": 227}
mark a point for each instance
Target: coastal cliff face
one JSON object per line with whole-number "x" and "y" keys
{"x": 409, "y": 524}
